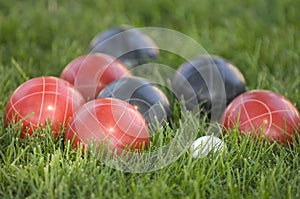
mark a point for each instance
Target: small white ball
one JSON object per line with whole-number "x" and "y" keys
{"x": 205, "y": 144}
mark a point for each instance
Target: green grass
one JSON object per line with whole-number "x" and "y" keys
{"x": 260, "y": 37}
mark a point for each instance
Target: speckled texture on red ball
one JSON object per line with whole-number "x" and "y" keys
{"x": 262, "y": 112}
{"x": 112, "y": 122}
{"x": 42, "y": 99}
{"x": 92, "y": 72}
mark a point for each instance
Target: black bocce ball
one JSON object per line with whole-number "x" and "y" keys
{"x": 145, "y": 96}
{"x": 206, "y": 80}
{"x": 128, "y": 44}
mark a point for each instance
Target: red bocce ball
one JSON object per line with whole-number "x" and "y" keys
{"x": 42, "y": 99}
{"x": 91, "y": 73}
{"x": 263, "y": 113}
{"x": 112, "y": 122}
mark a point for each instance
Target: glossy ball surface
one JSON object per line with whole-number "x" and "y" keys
{"x": 195, "y": 77}
{"x": 143, "y": 95}
{"x": 263, "y": 112}
{"x": 91, "y": 73}
{"x": 42, "y": 99}
{"x": 111, "y": 122}
{"x": 128, "y": 44}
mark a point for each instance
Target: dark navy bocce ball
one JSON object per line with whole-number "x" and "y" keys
{"x": 208, "y": 80}
{"x": 145, "y": 96}
{"x": 130, "y": 45}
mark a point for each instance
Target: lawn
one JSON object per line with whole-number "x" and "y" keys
{"x": 41, "y": 37}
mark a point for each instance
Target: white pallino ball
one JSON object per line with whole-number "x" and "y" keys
{"x": 206, "y": 144}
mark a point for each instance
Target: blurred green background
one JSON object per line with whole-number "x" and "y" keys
{"x": 259, "y": 37}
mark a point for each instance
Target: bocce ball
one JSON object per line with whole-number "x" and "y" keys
{"x": 263, "y": 113}
{"x": 108, "y": 122}
{"x": 204, "y": 79}
{"x": 91, "y": 73}
{"x": 41, "y": 100}
{"x": 128, "y": 44}
{"x": 146, "y": 97}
